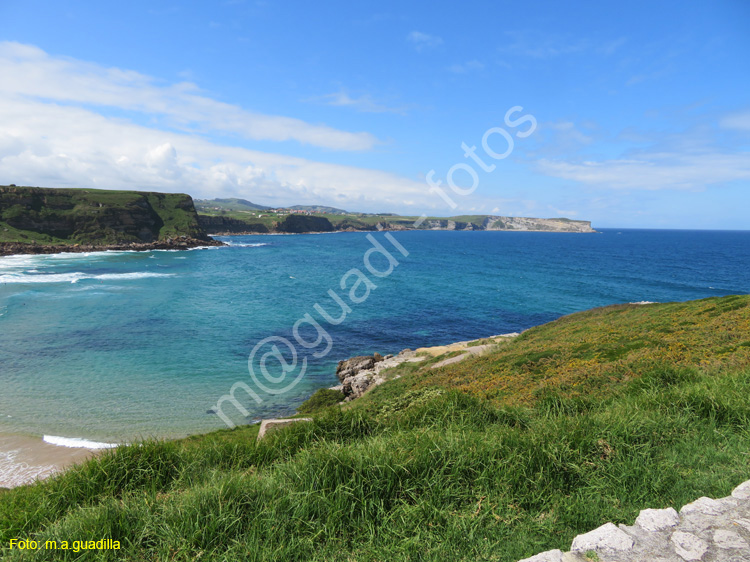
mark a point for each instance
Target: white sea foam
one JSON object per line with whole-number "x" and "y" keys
{"x": 17, "y": 259}
{"x": 15, "y": 473}
{"x": 134, "y": 275}
{"x": 77, "y": 442}
{"x": 247, "y": 245}
{"x": 77, "y": 276}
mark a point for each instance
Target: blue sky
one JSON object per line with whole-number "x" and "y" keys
{"x": 642, "y": 109}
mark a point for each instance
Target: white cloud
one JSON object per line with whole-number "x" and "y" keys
{"x": 54, "y": 145}
{"x": 560, "y": 213}
{"x": 539, "y": 45}
{"x": 364, "y": 103}
{"x": 29, "y": 72}
{"x": 739, "y": 121}
{"x": 654, "y": 171}
{"x": 567, "y": 133}
{"x": 535, "y": 44}
{"x": 424, "y": 41}
{"x": 472, "y": 65}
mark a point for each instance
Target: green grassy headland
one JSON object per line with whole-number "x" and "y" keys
{"x": 581, "y": 421}
{"x": 94, "y": 216}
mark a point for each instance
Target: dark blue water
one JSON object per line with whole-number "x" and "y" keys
{"x": 113, "y": 346}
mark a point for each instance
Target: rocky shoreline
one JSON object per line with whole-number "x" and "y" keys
{"x": 177, "y": 243}
{"x": 360, "y": 374}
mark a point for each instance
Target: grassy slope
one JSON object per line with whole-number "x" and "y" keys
{"x": 84, "y": 205}
{"x": 581, "y": 421}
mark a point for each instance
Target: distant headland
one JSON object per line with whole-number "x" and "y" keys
{"x": 38, "y": 220}
{"x": 239, "y": 216}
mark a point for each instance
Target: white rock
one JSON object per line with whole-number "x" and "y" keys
{"x": 657, "y": 519}
{"x": 742, "y": 492}
{"x": 744, "y": 522}
{"x": 729, "y": 539}
{"x": 704, "y": 505}
{"x": 688, "y": 546}
{"x": 270, "y": 425}
{"x": 548, "y": 556}
{"x": 606, "y": 537}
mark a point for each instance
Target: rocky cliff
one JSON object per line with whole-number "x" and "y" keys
{"x": 492, "y": 222}
{"x": 292, "y": 224}
{"x": 33, "y": 215}
{"x": 35, "y": 220}
{"x": 532, "y": 224}
{"x": 215, "y": 224}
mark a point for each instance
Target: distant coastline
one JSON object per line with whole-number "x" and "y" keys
{"x": 40, "y": 220}
{"x": 302, "y": 222}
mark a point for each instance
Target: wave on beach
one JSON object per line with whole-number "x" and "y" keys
{"x": 77, "y": 443}
{"x": 75, "y": 277}
{"x": 16, "y": 473}
{"x": 21, "y": 260}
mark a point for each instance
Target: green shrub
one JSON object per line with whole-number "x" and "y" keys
{"x": 323, "y": 398}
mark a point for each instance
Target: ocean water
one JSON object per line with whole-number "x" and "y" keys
{"x": 111, "y": 347}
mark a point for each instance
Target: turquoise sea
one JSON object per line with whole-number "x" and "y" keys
{"x": 114, "y": 346}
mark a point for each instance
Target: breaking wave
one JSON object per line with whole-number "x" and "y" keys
{"x": 76, "y": 277}
{"x": 77, "y": 442}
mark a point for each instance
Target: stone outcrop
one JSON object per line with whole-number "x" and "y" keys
{"x": 350, "y": 367}
{"x": 362, "y": 373}
{"x": 706, "y": 530}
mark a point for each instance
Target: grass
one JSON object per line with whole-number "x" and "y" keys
{"x": 93, "y": 216}
{"x": 431, "y": 466}
{"x": 592, "y": 354}
{"x": 322, "y": 398}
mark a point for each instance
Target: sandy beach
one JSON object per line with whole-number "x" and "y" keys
{"x": 24, "y": 459}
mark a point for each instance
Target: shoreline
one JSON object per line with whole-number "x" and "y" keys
{"x": 177, "y": 244}
{"x": 25, "y": 459}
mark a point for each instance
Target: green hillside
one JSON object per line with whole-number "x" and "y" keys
{"x": 229, "y": 204}
{"x": 581, "y": 421}
{"x": 94, "y": 216}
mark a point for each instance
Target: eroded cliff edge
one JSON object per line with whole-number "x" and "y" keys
{"x": 45, "y": 220}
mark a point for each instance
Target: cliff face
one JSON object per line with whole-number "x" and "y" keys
{"x": 292, "y": 224}
{"x": 503, "y": 223}
{"x": 303, "y": 223}
{"x": 92, "y": 216}
{"x": 214, "y": 224}
{"x": 523, "y": 223}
